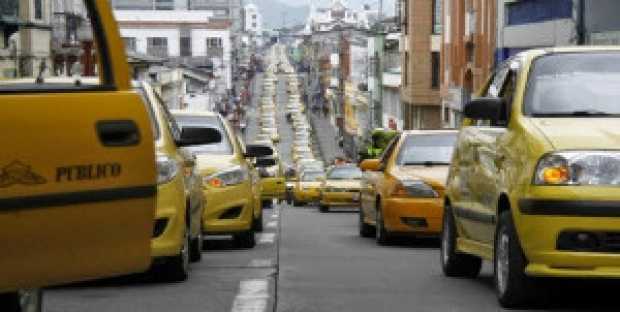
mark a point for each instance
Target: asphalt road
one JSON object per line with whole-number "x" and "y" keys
{"x": 307, "y": 261}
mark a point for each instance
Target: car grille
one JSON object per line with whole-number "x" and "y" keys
{"x": 589, "y": 241}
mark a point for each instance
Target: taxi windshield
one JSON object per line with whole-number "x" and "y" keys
{"x": 574, "y": 85}
{"x": 345, "y": 173}
{"x": 433, "y": 149}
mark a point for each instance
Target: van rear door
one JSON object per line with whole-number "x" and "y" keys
{"x": 77, "y": 167}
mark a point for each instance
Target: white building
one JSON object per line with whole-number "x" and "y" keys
{"x": 339, "y": 14}
{"x": 182, "y": 36}
{"x": 253, "y": 20}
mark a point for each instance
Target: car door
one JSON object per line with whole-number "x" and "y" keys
{"x": 480, "y": 218}
{"x": 77, "y": 167}
{"x": 374, "y": 182}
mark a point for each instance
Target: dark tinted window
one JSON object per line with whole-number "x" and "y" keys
{"x": 224, "y": 147}
{"x": 575, "y": 84}
{"x": 426, "y": 149}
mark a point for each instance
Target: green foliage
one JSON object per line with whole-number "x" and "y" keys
{"x": 380, "y": 140}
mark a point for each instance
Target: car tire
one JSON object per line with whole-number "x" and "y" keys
{"x": 196, "y": 246}
{"x": 365, "y": 229}
{"x": 267, "y": 204}
{"x": 176, "y": 269}
{"x": 323, "y": 208}
{"x": 258, "y": 223}
{"x": 297, "y": 203}
{"x": 22, "y": 301}
{"x": 245, "y": 240}
{"x": 513, "y": 287}
{"x": 382, "y": 235}
{"x": 454, "y": 263}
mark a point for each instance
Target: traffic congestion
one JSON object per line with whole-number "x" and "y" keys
{"x": 113, "y": 199}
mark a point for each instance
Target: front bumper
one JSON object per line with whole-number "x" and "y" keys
{"x": 543, "y": 224}
{"x": 413, "y": 215}
{"x": 307, "y": 195}
{"x": 223, "y": 200}
{"x": 340, "y": 199}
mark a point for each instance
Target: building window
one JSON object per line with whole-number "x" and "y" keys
{"x": 435, "y": 63}
{"x": 527, "y": 12}
{"x": 186, "y": 46}
{"x": 406, "y": 70}
{"x": 405, "y": 16}
{"x": 214, "y": 42}
{"x": 38, "y": 9}
{"x": 437, "y": 27}
{"x": 130, "y": 44}
{"x": 164, "y": 4}
{"x": 157, "y": 46}
{"x": 253, "y": 25}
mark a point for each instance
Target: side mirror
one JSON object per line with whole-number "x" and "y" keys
{"x": 199, "y": 136}
{"x": 486, "y": 108}
{"x": 264, "y": 162}
{"x": 370, "y": 165}
{"x": 257, "y": 150}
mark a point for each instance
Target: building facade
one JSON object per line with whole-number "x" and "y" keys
{"x": 421, "y": 30}
{"x": 468, "y": 53}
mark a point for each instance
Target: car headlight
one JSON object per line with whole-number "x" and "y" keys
{"x": 233, "y": 176}
{"x": 579, "y": 168}
{"x": 167, "y": 169}
{"x": 414, "y": 188}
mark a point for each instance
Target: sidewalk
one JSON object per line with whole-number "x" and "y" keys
{"x": 325, "y": 134}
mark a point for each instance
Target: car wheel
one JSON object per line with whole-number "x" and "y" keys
{"x": 245, "y": 239}
{"x": 514, "y": 288}
{"x": 177, "y": 268}
{"x": 196, "y": 248}
{"x": 323, "y": 208}
{"x": 22, "y": 301}
{"x": 365, "y": 229}
{"x": 382, "y": 236}
{"x": 453, "y": 263}
{"x": 258, "y": 223}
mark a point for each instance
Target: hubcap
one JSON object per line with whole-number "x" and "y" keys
{"x": 502, "y": 263}
{"x": 445, "y": 241}
{"x": 29, "y": 300}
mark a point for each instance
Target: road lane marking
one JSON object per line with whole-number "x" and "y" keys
{"x": 252, "y": 296}
{"x": 272, "y": 224}
{"x": 266, "y": 238}
{"x": 261, "y": 263}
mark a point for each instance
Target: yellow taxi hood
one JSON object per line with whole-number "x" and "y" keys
{"x": 208, "y": 164}
{"x": 343, "y": 183}
{"x": 436, "y": 175}
{"x": 580, "y": 133}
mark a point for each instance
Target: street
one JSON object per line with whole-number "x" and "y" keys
{"x": 310, "y": 261}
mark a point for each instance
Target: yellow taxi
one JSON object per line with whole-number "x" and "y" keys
{"x": 533, "y": 186}
{"x": 308, "y": 187}
{"x": 77, "y": 158}
{"x": 273, "y": 182}
{"x": 402, "y": 193}
{"x": 177, "y": 233}
{"x": 230, "y": 180}
{"x": 341, "y": 188}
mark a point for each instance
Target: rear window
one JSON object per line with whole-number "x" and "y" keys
{"x": 427, "y": 149}
{"x": 224, "y": 147}
{"x": 49, "y": 48}
{"x": 312, "y": 176}
{"x": 574, "y": 84}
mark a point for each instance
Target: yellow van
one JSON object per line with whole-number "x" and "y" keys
{"x": 533, "y": 185}
{"x": 78, "y": 158}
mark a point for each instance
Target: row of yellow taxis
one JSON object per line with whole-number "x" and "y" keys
{"x": 529, "y": 183}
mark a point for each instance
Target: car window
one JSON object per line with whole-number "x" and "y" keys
{"x": 387, "y": 154}
{"x": 312, "y": 176}
{"x": 171, "y": 122}
{"x": 149, "y": 108}
{"x": 224, "y": 147}
{"x": 59, "y": 54}
{"x": 574, "y": 84}
{"x": 426, "y": 149}
{"x": 344, "y": 173}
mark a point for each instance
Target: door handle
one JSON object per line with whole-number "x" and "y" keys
{"x": 117, "y": 133}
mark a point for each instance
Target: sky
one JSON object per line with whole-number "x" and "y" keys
{"x": 388, "y": 5}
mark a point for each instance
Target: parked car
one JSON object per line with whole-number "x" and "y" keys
{"x": 402, "y": 193}
{"x": 308, "y": 188}
{"x": 341, "y": 188}
{"x": 533, "y": 186}
{"x": 231, "y": 182}
{"x": 177, "y": 234}
{"x": 73, "y": 162}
